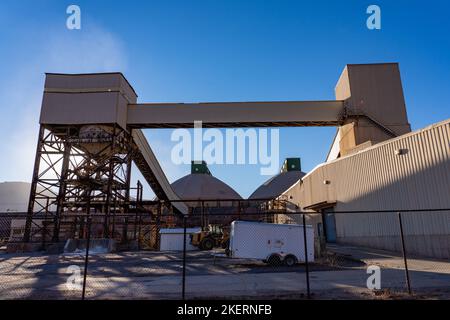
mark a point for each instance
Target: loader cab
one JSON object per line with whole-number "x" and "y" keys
{"x": 213, "y": 236}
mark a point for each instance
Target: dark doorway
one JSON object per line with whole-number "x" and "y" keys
{"x": 329, "y": 222}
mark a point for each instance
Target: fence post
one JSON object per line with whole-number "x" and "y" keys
{"x": 405, "y": 260}
{"x": 135, "y": 222}
{"x": 44, "y": 224}
{"x": 184, "y": 259}
{"x": 139, "y": 231}
{"x": 306, "y": 258}
{"x": 86, "y": 260}
{"x": 239, "y": 210}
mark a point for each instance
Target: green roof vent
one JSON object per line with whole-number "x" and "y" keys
{"x": 291, "y": 164}
{"x": 199, "y": 167}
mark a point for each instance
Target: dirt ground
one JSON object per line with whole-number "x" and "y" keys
{"x": 209, "y": 275}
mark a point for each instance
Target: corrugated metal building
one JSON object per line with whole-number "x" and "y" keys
{"x": 408, "y": 172}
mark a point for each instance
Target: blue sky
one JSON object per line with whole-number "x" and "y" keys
{"x": 189, "y": 51}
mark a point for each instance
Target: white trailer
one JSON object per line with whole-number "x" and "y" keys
{"x": 271, "y": 243}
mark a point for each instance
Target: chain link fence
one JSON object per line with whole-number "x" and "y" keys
{"x": 228, "y": 250}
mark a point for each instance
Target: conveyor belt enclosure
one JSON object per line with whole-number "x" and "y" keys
{"x": 236, "y": 114}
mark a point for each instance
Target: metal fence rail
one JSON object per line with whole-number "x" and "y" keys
{"x": 386, "y": 254}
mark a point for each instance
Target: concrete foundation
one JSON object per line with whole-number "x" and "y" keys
{"x": 95, "y": 245}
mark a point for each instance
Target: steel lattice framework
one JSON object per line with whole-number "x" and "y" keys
{"x": 71, "y": 177}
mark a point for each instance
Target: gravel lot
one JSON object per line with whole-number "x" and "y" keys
{"x": 210, "y": 275}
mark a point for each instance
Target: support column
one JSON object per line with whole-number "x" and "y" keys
{"x": 34, "y": 181}
{"x": 62, "y": 191}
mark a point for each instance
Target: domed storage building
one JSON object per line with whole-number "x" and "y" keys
{"x": 201, "y": 185}
{"x": 279, "y": 187}
{"x": 210, "y": 201}
{"x": 206, "y": 195}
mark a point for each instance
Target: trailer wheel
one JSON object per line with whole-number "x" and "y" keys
{"x": 290, "y": 260}
{"x": 207, "y": 244}
{"x": 274, "y": 260}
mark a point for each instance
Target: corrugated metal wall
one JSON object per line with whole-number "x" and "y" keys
{"x": 379, "y": 179}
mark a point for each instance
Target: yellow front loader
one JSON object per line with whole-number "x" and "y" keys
{"x": 214, "y": 236}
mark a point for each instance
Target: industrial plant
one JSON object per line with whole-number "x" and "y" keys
{"x": 91, "y": 134}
